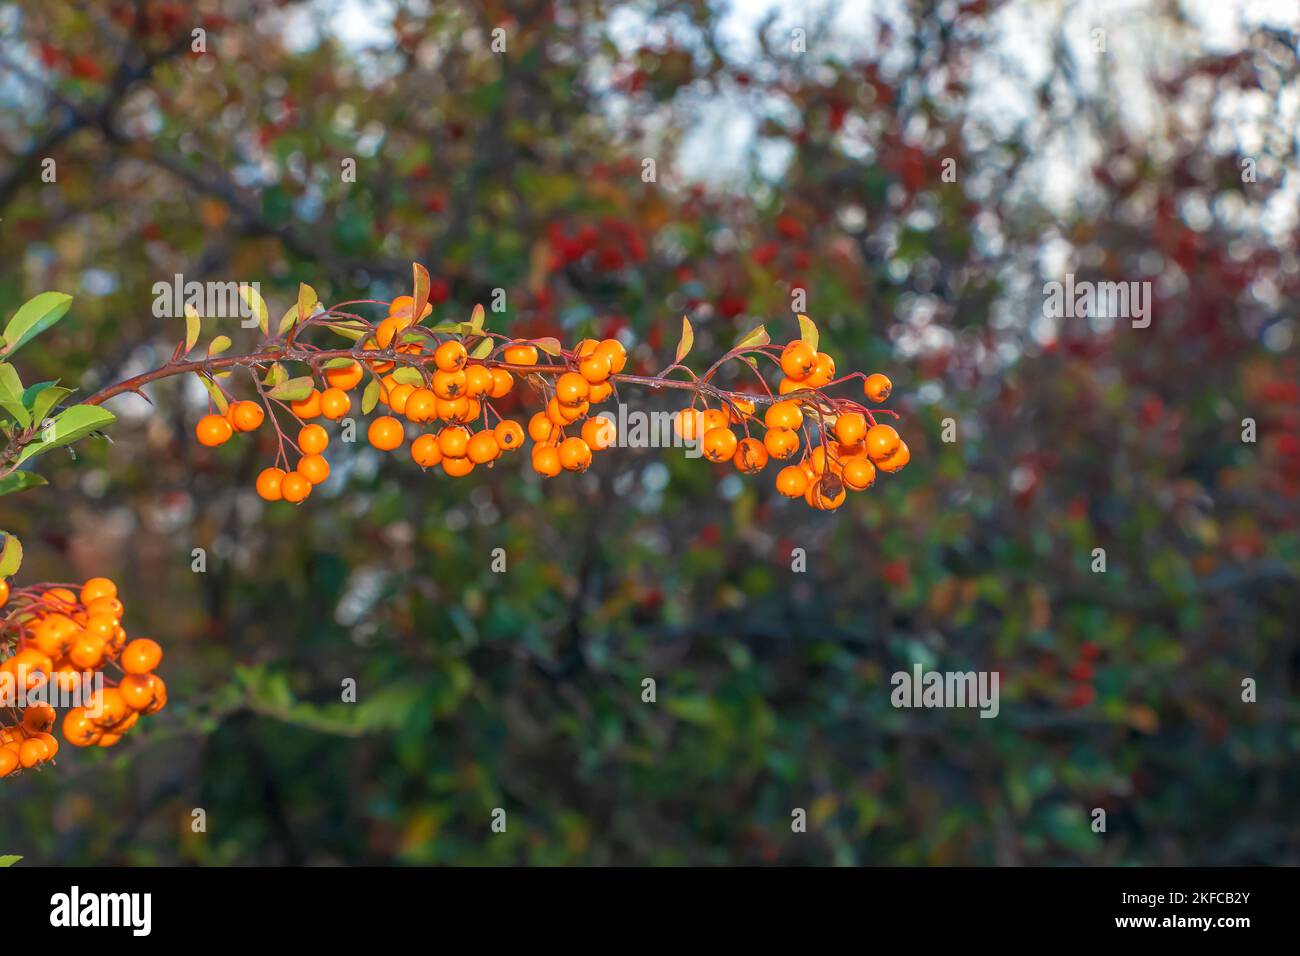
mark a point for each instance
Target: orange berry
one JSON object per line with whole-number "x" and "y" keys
{"x": 38, "y": 718}
{"x": 78, "y": 729}
{"x": 346, "y": 377}
{"x": 613, "y": 349}
{"x": 715, "y": 418}
{"x": 425, "y": 451}
{"x": 509, "y": 434}
{"x": 453, "y": 441}
{"x": 334, "y": 403}
{"x": 387, "y": 330}
{"x": 385, "y": 433}
{"x": 312, "y": 440}
{"x": 246, "y": 416}
{"x": 781, "y": 443}
{"x": 783, "y": 415}
{"x": 307, "y": 408}
{"x": 399, "y": 395}
{"x": 141, "y": 656}
{"x": 823, "y": 372}
{"x": 137, "y": 690}
{"x": 826, "y": 493}
{"x": 896, "y": 462}
{"x": 689, "y": 423}
{"x": 402, "y": 304}
{"x": 596, "y": 368}
{"x": 575, "y": 454}
{"x": 159, "y": 695}
{"x": 87, "y": 652}
{"x": 750, "y": 457}
{"x": 449, "y": 384}
{"x": 421, "y": 405}
{"x": 4, "y": 593}
{"x": 850, "y": 428}
{"x": 798, "y": 359}
{"x": 788, "y": 385}
{"x": 294, "y": 487}
{"x": 106, "y": 605}
{"x": 742, "y": 408}
{"x": 571, "y": 389}
{"x": 791, "y": 481}
{"x": 719, "y": 444}
{"x": 457, "y": 467}
{"x": 314, "y": 468}
{"x": 546, "y": 461}
{"x": 877, "y": 387}
{"x": 213, "y": 430}
{"x": 562, "y": 414}
{"x": 483, "y": 448}
{"x": 456, "y": 410}
{"x": 540, "y": 427}
{"x": 269, "y": 484}
{"x": 882, "y": 441}
{"x": 585, "y": 348}
{"x": 378, "y": 367}
{"x": 502, "y": 383}
{"x": 9, "y": 761}
{"x": 33, "y": 751}
{"x": 599, "y": 432}
{"x": 600, "y": 391}
{"x": 520, "y": 354}
{"x": 96, "y": 588}
{"x": 450, "y": 356}
{"x": 478, "y": 381}
{"x": 859, "y": 474}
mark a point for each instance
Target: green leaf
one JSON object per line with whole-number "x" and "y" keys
{"x": 476, "y": 318}
{"x": 68, "y": 426}
{"x": 257, "y": 304}
{"x": 193, "y": 326}
{"x": 370, "y": 397}
{"x": 421, "y": 291}
{"x": 482, "y": 350}
{"x": 276, "y": 375}
{"x": 754, "y": 338}
{"x": 33, "y": 317}
{"x": 339, "y": 363}
{"x": 11, "y": 395}
{"x": 351, "y": 331}
{"x": 218, "y": 345}
{"x": 808, "y": 331}
{"x": 307, "y": 300}
{"x": 9, "y": 860}
{"x": 406, "y": 375}
{"x": 686, "y": 341}
{"x": 287, "y": 320}
{"x": 11, "y": 555}
{"x": 218, "y": 396}
{"x": 46, "y": 400}
{"x": 294, "y": 390}
{"x": 20, "y": 481}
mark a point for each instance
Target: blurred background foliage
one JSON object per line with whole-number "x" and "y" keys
{"x": 775, "y": 169}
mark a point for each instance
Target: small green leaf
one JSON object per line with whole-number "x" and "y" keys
{"x": 370, "y": 397}
{"x": 193, "y": 326}
{"x": 255, "y": 301}
{"x": 276, "y": 375}
{"x": 11, "y": 555}
{"x": 351, "y": 330}
{"x": 68, "y": 426}
{"x": 11, "y": 395}
{"x": 46, "y": 400}
{"x": 307, "y": 300}
{"x": 482, "y": 350}
{"x": 754, "y": 338}
{"x": 9, "y": 860}
{"x": 218, "y": 396}
{"x": 33, "y": 317}
{"x": 808, "y": 331}
{"x": 294, "y": 390}
{"x": 686, "y": 341}
{"x": 406, "y": 375}
{"x": 339, "y": 363}
{"x": 219, "y": 345}
{"x": 476, "y": 318}
{"x": 287, "y": 320}
{"x": 20, "y": 481}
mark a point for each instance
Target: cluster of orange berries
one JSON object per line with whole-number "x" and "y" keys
{"x": 61, "y": 643}
{"x": 853, "y": 446}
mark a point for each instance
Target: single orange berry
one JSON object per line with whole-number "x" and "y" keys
{"x": 4, "y": 593}
{"x": 599, "y": 432}
{"x": 246, "y": 416}
{"x": 141, "y": 656}
{"x": 137, "y": 690}
{"x": 791, "y": 481}
{"x": 425, "y": 451}
{"x": 781, "y": 443}
{"x": 346, "y": 377}
{"x": 750, "y": 457}
{"x": 571, "y": 389}
{"x": 783, "y": 415}
{"x": 314, "y": 468}
{"x": 449, "y": 384}
{"x": 719, "y": 444}
{"x": 897, "y": 461}
{"x": 421, "y": 405}
{"x": 600, "y": 391}
{"x": 850, "y": 428}
{"x": 741, "y": 409}
{"x": 798, "y": 359}
{"x": 453, "y": 441}
{"x": 294, "y": 487}
{"x": 877, "y": 387}
{"x": 399, "y": 395}
{"x": 457, "y": 467}
{"x": 715, "y": 418}
{"x": 312, "y": 440}
{"x": 613, "y": 349}
{"x": 87, "y": 651}
{"x": 882, "y": 441}
{"x": 450, "y": 356}
{"x": 596, "y": 368}
{"x": 520, "y": 355}
{"x": 859, "y": 474}
{"x": 823, "y": 372}
{"x": 78, "y": 729}
{"x": 307, "y": 408}
{"x": 540, "y": 427}
{"x": 502, "y": 383}
{"x": 483, "y": 448}
{"x": 509, "y": 434}
{"x": 213, "y": 430}
{"x": 96, "y": 588}
{"x": 455, "y": 410}
{"x": 546, "y": 461}
{"x": 478, "y": 381}
{"x": 689, "y": 423}
{"x": 334, "y": 403}
{"x": 575, "y": 454}
{"x": 788, "y": 385}
{"x": 385, "y": 433}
